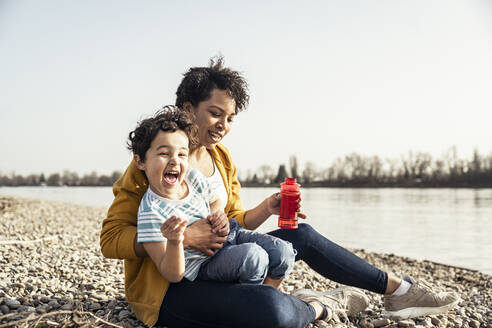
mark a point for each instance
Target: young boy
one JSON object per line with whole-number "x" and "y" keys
{"x": 178, "y": 196}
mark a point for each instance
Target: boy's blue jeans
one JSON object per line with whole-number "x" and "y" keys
{"x": 249, "y": 257}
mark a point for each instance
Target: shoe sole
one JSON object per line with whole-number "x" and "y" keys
{"x": 414, "y": 312}
{"x": 309, "y": 292}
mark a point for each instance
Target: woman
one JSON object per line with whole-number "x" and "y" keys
{"x": 214, "y": 95}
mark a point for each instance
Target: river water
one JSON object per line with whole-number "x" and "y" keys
{"x": 451, "y": 226}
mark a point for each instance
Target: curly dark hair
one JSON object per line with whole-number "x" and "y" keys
{"x": 198, "y": 83}
{"x": 169, "y": 118}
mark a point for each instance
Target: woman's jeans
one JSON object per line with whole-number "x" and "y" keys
{"x": 214, "y": 304}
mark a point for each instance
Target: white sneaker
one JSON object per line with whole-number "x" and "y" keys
{"x": 420, "y": 300}
{"x": 345, "y": 300}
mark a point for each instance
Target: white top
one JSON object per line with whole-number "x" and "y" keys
{"x": 154, "y": 210}
{"x": 217, "y": 185}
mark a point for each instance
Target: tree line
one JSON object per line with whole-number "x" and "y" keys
{"x": 415, "y": 169}
{"x": 67, "y": 178}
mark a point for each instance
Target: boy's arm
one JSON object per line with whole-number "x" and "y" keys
{"x": 217, "y": 218}
{"x": 168, "y": 256}
{"x": 216, "y": 205}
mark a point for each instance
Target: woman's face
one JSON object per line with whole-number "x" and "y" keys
{"x": 213, "y": 117}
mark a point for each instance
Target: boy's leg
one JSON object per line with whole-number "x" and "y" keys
{"x": 245, "y": 263}
{"x": 281, "y": 254}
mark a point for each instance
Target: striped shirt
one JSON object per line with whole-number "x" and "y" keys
{"x": 154, "y": 210}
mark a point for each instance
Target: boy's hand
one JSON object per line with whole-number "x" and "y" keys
{"x": 219, "y": 222}
{"x": 173, "y": 229}
{"x": 274, "y": 205}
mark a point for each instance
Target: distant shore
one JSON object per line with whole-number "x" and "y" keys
{"x": 312, "y": 185}
{"x": 53, "y": 272}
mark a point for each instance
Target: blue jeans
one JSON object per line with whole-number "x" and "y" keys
{"x": 213, "y": 304}
{"x": 248, "y": 257}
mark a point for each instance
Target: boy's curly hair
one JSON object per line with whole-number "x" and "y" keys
{"x": 198, "y": 83}
{"x": 168, "y": 119}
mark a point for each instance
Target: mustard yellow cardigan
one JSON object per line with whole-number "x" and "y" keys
{"x": 145, "y": 287}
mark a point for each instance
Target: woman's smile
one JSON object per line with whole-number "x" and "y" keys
{"x": 213, "y": 117}
{"x": 215, "y": 136}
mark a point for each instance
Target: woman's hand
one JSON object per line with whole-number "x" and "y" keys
{"x": 219, "y": 222}
{"x": 200, "y": 237}
{"x": 273, "y": 204}
{"x": 173, "y": 229}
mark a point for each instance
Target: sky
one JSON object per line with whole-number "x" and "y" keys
{"x": 327, "y": 78}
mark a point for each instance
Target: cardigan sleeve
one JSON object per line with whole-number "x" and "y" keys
{"x": 119, "y": 228}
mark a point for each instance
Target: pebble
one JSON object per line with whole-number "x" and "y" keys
{"x": 406, "y": 323}
{"x": 435, "y": 321}
{"x": 67, "y": 306}
{"x": 12, "y": 303}
{"x": 476, "y": 316}
{"x": 474, "y": 323}
{"x": 4, "y": 309}
{"x": 25, "y": 308}
{"x": 45, "y": 299}
{"x": 123, "y": 314}
{"x": 53, "y": 304}
{"x": 381, "y": 322}
{"x": 69, "y": 273}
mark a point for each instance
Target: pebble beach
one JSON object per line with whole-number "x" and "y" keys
{"x": 52, "y": 274}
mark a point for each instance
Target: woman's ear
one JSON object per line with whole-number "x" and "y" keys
{"x": 188, "y": 107}
{"x": 139, "y": 162}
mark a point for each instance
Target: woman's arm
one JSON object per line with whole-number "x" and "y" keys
{"x": 168, "y": 256}
{"x": 270, "y": 206}
{"x": 256, "y": 216}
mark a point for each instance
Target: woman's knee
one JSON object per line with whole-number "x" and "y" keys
{"x": 305, "y": 229}
{"x": 255, "y": 264}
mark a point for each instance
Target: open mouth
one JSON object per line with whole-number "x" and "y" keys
{"x": 171, "y": 177}
{"x": 216, "y": 137}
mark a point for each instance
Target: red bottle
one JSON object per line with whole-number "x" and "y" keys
{"x": 288, "y": 204}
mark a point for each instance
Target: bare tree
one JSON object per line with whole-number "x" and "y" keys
{"x": 293, "y": 166}
{"x": 281, "y": 174}
{"x": 266, "y": 174}
{"x": 309, "y": 174}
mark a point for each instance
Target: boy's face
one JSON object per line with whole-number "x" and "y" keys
{"x": 166, "y": 163}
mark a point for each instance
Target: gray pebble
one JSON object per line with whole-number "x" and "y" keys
{"x": 380, "y": 322}
{"x": 45, "y": 299}
{"x": 53, "y": 304}
{"x": 12, "y": 303}
{"x": 94, "y": 306}
{"x": 67, "y": 306}
{"x": 406, "y": 323}
{"x": 26, "y": 308}
{"x": 123, "y": 314}
{"x": 4, "y": 309}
